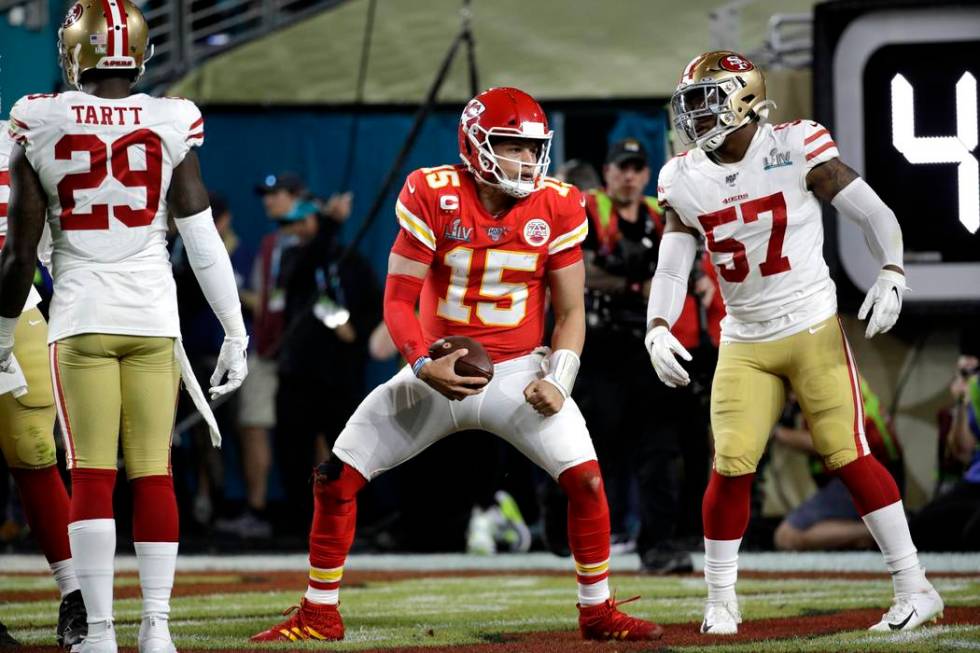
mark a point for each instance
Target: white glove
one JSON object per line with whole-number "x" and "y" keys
{"x": 884, "y": 302}
{"x": 663, "y": 346}
{"x": 231, "y": 361}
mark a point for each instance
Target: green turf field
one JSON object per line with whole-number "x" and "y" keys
{"x": 523, "y": 610}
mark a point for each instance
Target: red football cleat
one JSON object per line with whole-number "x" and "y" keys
{"x": 309, "y": 621}
{"x": 605, "y": 622}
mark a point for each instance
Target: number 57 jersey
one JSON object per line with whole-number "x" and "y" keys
{"x": 106, "y": 167}
{"x": 763, "y": 228}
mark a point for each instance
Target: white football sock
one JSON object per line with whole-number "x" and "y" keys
{"x": 93, "y": 548}
{"x": 594, "y": 593}
{"x": 890, "y": 529}
{"x": 157, "y": 562}
{"x": 721, "y": 568}
{"x": 64, "y": 575}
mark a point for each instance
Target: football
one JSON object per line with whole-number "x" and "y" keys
{"x": 476, "y": 362}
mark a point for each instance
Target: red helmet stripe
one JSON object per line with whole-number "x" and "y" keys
{"x": 110, "y": 28}
{"x": 125, "y": 29}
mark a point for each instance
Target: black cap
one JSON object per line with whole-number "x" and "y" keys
{"x": 627, "y": 149}
{"x": 287, "y": 181}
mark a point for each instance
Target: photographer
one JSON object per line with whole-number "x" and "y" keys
{"x": 951, "y": 521}
{"x": 332, "y": 305}
{"x": 642, "y": 429}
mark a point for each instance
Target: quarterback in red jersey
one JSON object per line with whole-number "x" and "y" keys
{"x": 480, "y": 245}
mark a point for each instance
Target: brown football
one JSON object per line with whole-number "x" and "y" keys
{"x": 476, "y": 362}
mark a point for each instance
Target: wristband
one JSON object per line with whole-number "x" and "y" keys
{"x": 419, "y": 364}
{"x": 562, "y": 369}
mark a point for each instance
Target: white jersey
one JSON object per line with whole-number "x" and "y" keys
{"x": 763, "y": 228}
{"x": 33, "y": 298}
{"x": 106, "y": 167}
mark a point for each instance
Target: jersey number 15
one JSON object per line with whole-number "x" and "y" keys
{"x": 104, "y": 159}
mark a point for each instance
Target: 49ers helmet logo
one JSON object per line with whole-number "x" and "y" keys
{"x": 73, "y": 15}
{"x": 736, "y": 64}
{"x": 536, "y": 232}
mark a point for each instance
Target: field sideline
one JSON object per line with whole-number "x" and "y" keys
{"x": 790, "y": 602}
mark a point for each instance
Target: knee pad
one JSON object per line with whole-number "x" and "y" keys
{"x": 731, "y": 455}
{"x": 337, "y": 481}
{"x": 583, "y": 481}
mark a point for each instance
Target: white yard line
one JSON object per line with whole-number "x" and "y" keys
{"x": 751, "y": 561}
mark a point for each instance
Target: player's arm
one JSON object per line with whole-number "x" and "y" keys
{"x": 567, "y": 285}
{"x": 668, "y": 292}
{"x": 835, "y": 182}
{"x": 188, "y": 199}
{"x": 402, "y": 290}
{"x": 25, "y": 223}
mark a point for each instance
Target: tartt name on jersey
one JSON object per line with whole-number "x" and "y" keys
{"x": 101, "y": 115}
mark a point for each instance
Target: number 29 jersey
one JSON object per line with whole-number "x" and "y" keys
{"x": 763, "y": 228}
{"x": 106, "y": 167}
{"x": 488, "y": 274}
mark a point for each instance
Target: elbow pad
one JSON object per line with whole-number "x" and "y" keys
{"x": 860, "y": 203}
{"x": 668, "y": 291}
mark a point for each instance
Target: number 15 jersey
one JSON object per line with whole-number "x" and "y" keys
{"x": 762, "y": 227}
{"x": 487, "y": 274}
{"x": 106, "y": 166}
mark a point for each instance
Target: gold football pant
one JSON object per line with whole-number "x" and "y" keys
{"x": 748, "y": 395}
{"x": 111, "y": 384}
{"x": 27, "y": 422}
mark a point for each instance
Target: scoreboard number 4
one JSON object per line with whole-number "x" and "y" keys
{"x": 943, "y": 149}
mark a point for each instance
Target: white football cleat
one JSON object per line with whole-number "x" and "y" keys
{"x": 910, "y": 611}
{"x": 721, "y": 618}
{"x": 103, "y": 642}
{"x": 155, "y": 635}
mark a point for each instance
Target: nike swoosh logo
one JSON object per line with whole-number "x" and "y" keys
{"x": 411, "y": 186}
{"x": 34, "y": 322}
{"x": 901, "y": 625}
{"x": 813, "y": 330}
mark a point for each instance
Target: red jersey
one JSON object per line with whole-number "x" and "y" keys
{"x": 487, "y": 277}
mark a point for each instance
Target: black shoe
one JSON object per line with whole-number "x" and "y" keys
{"x": 72, "y": 624}
{"x": 6, "y": 641}
{"x": 660, "y": 561}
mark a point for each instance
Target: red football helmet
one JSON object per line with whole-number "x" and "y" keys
{"x": 503, "y": 112}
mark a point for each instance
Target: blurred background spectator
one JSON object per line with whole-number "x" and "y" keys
{"x": 652, "y": 440}
{"x": 332, "y": 306}
{"x": 828, "y": 518}
{"x": 951, "y": 521}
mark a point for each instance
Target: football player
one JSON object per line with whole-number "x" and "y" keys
{"x": 481, "y": 243}
{"x": 103, "y": 167}
{"x": 27, "y": 444}
{"x": 753, "y": 190}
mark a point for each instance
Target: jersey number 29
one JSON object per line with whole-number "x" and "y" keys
{"x": 104, "y": 159}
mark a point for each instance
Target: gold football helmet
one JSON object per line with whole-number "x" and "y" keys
{"x": 718, "y": 93}
{"x": 103, "y": 34}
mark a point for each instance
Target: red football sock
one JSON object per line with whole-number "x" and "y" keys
{"x": 726, "y": 505}
{"x": 91, "y": 494}
{"x": 154, "y": 509}
{"x": 334, "y": 520}
{"x": 46, "y": 506}
{"x": 588, "y": 521}
{"x": 870, "y": 484}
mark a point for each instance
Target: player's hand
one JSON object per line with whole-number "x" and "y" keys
{"x": 704, "y": 288}
{"x": 884, "y": 302}
{"x": 441, "y": 377}
{"x": 664, "y": 348}
{"x": 231, "y": 362}
{"x": 544, "y": 397}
